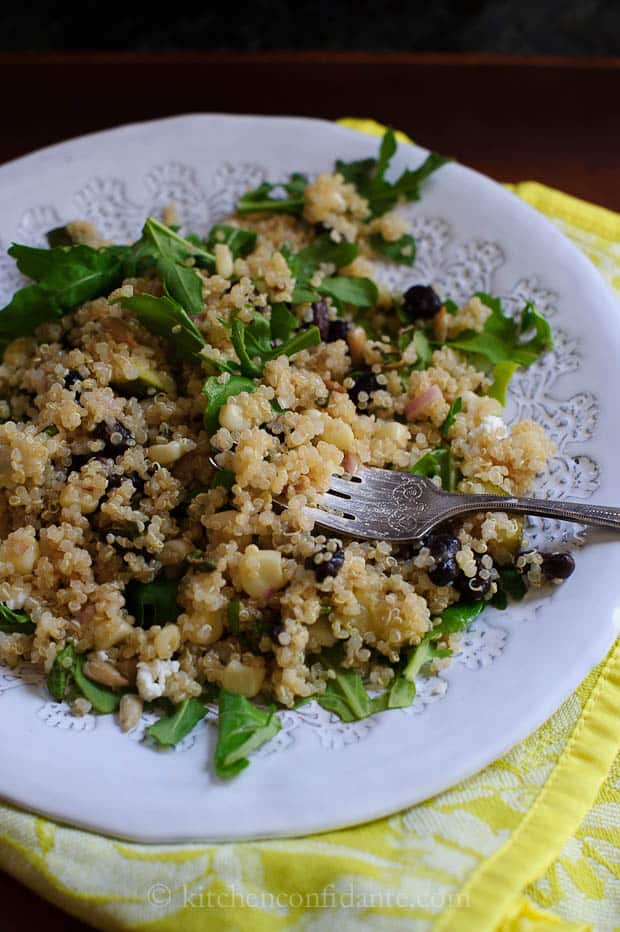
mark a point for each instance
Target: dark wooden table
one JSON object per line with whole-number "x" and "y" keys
{"x": 549, "y": 120}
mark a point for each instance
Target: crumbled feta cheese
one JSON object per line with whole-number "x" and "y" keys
{"x": 151, "y": 677}
{"x": 491, "y": 424}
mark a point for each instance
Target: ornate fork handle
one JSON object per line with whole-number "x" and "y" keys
{"x": 596, "y": 515}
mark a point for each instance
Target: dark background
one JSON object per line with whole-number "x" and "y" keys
{"x": 555, "y": 27}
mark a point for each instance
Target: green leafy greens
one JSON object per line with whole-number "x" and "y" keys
{"x": 65, "y": 277}
{"x": 346, "y": 695}
{"x": 502, "y": 374}
{"x": 170, "y": 729}
{"x": 103, "y": 699}
{"x": 218, "y": 393}
{"x": 510, "y": 585}
{"x": 68, "y": 667}
{"x": 455, "y": 618}
{"x": 14, "y": 622}
{"x": 242, "y": 728}
{"x": 232, "y": 616}
{"x": 359, "y": 292}
{"x": 439, "y": 462}
{"x": 455, "y": 408}
{"x": 253, "y": 342}
{"x": 240, "y": 242}
{"x": 165, "y": 317}
{"x": 260, "y": 199}
{"x": 401, "y": 250}
{"x": 61, "y": 672}
{"x": 153, "y": 603}
{"x": 368, "y": 176}
{"x": 504, "y": 339}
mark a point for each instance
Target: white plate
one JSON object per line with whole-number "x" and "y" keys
{"x": 516, "y": 667}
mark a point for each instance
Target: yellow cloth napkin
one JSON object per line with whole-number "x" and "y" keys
{"x": 532, "y": 843}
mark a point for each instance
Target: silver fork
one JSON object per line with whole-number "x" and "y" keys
{"x": 379, "y": 504}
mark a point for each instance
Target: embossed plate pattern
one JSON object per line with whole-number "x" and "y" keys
{"x": 514, "y": 668}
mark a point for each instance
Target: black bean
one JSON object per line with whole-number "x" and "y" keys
{"x": 338, "y": 330}
{"x": 320, "y": 317}
{"x": 367, "y": 382}
{"x": 81, "y": 459}
{"x": 444, "y": 572}
{"x": 115, "y": 482}
{"x": 557, "y": 565}
{"x": 71, "y": 378}
{"x": 116, "y": 436}
{"x": 442, "y": 545}
{"x": 474, "y": 587}
{"x": 329, "y": 567}
{"x": 421, "y": 302}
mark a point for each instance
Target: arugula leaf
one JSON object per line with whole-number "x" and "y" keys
{"x": 282, "y": 322}
{"x": 399, "y": 695}
{"x": 239, "y": 334}
{"x": 303, "y": 340}
{"x": 103, "y": 699}
{"x": 423, "y": 350}
{"x": 232, "y": 616}
{"x": 61, "y": 672}
{"x": 421, "y": 655}
{"x": 358, "y": 173}
{"x": 438, "y": 462}
{"x": 304, "y": 264}
{"x": 164, "y": 247}
{"x": 542, "y": 338}
{"x": 260, "y": 201}
{"x": 67, "y": 666}
{"x": 153, "y": 603}
{"x": 323, "y": 251}
{"x": 240, "y": 242}
{"x": 242, "y": 728}
{"x": 218, "y": 393}
{"x": 346, "y": 696}
{"x": 257, "y": 335}
{"x": 252, "y": 342}
{"x": 12, "y": 622}
{"x": 510, "y": 585}
{"x": 502, "y": 374}
{"x": 454, "y": 409}
{"x": 401, "y": 250}
{"x": 456, "y": 617}
{"x": 503, "y": 339}
{"x": 159, "y": 240}
{"x": 410, "y": 182}
{"x": 361, "y": 292}
{"x": 66, "y": 276}
{"x": 368, "y": 176}
{"x": 182, "y": 283}
{"x": 166, "y": 318}
{"x": 223, "y": 478}
{"x": 170, "y": 729}
{"x": 222, "y": 365}
{"x": 387, "y": 150}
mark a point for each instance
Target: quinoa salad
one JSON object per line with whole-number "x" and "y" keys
{"x": 170, "y": 409}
